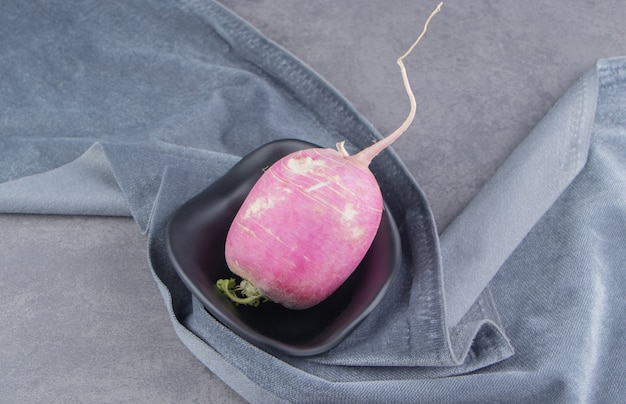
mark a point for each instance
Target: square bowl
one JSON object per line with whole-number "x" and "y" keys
{"x": 196, "y": 235}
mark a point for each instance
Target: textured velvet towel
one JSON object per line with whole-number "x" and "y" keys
{"x": 110, "y": 109}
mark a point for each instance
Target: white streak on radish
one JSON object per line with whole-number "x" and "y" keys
{"x": 356, "y": 233}
{"x": 322, "y": 201}
{"x": 317, "y": 186}
{"x": 274, "y": 236}
{"x": 249, "y": 231}
{"x": 349, "y": 213}
{"x": 302, "y": 166}
{"x": 261, "y": 205}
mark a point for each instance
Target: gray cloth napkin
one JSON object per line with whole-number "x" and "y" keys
{"x": 111, "y": 109}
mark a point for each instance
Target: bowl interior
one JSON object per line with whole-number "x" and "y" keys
{"x": 196, "y": 237}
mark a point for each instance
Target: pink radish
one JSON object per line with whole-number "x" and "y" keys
{"x": 308, "y": 221}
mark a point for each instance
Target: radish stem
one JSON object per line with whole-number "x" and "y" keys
{"x": 244, "y": 293}
{"x": 366, "y": 155}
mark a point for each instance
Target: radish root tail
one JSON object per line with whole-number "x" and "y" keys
{"x": 366, "y": 155}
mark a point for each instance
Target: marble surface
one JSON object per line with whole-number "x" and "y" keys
{"x": 484, "y": 76}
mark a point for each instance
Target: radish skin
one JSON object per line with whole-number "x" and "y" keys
{"x": 308, "y": 221}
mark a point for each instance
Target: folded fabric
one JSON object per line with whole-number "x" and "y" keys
{"x": 136, "y": 111}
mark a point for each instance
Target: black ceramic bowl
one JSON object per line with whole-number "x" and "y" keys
{"x": 196, "y": 235}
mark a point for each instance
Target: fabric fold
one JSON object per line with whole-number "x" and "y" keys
{"x": 85, "y": 186}
{"x": 481, "y": 238}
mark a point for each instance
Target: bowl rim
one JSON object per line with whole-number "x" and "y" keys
{"x": 244, "y": 330}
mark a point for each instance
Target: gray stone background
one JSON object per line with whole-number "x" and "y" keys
{"x": 71, "y": 326}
